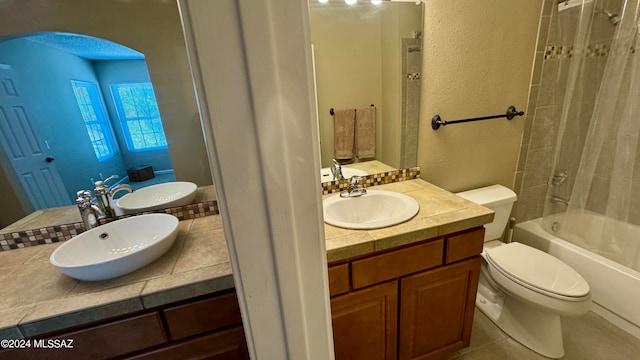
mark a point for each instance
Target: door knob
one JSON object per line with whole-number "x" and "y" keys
{"x": 49, "y": 159}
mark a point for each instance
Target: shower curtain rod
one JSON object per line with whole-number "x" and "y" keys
{"x": 436, "y": 121}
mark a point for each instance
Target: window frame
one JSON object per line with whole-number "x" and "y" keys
{"x": 124, "y": 121}
{"x": 102, "y": 119}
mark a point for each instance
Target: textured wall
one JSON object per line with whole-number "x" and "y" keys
{"x": 478, "y": 58}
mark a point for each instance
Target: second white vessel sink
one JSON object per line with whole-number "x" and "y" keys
{"x": 156, "y": 197}
{"x": 116, "y": 248}
{"x": 376, "y": 209}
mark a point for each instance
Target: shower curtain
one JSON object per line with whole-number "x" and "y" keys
{"x": 598, "y": 85}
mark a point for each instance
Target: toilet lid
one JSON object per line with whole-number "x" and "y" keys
{"x": 537, "y": 269}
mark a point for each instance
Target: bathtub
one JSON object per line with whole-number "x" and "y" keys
{"x": 615, "y": 289}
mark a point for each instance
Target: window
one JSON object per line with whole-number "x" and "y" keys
{"x": 138, "y": 111}
{"x": 92, "y": 110}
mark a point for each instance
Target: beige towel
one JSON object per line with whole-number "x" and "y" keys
{"x": 343, "y": 129}
{"x": 366, "y": 132}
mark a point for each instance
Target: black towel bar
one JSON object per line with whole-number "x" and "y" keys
{"x": 333, "y": 113}
{"x": 436, "y": 121}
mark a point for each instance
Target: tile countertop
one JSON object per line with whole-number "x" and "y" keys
{"x": 44, "y": 300}
{"x": 441, "y": 213}
{"x": 36, "y": 298}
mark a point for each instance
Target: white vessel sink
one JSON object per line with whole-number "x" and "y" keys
{"x": 326, "y": 175}
{"x": 116, "y": 248}
{"x": 376, "y": 209}
{"x": 156, "y": 197}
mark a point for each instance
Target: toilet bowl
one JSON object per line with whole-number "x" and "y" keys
{"x": 523, "y": 290}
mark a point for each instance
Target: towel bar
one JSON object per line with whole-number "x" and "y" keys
{"x": 332, "y": 112}
{"x": 436, "y": 121}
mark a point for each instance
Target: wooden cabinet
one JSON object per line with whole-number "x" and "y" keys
{"x": 437, "y": 310}
{"x": 103, "y": 341}
{"x": 206, "y": 328}
{"x": 365, "y": 323}
{"x": 416, "y": 302}
{"x": 197, "y": 317}
{"x": 227, "y": 344}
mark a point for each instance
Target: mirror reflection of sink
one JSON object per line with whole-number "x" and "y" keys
{"x": 116, "y": 248}
{"x": 376, "y": 209}
{"x": 156, "y": 197}
{"x": 326, "y": 175}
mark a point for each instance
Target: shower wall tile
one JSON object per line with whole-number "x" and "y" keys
{"x": 544, "y": 32}
{"x": 526, "y": 132}
{"x": 634, "y": 213}
{"x": 522, "y": 157}
{"x": 531, "y": 202}
{"x": 548, "y": 90}
{"x": 545, "y": 128}
{"x": 534, "y": 90}
{"x": 538, "y": 167}
{"x": 548, "y": 6}
{"x": 537, "y": 68}
{"x": 598, "y": 194}
{"x": 517, "y": 181}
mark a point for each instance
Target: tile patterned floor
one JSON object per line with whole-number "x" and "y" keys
{"x": 589, "y": 337}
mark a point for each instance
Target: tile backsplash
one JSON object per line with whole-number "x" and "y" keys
{"x": 58, "y": 233}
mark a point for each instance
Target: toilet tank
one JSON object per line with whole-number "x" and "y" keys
{"x": 497, "y": 198}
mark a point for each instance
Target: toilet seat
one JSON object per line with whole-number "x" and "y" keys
{"x": 538, "y": 271}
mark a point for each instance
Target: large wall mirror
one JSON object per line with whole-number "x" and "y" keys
{"x": 369, "y": 53}
{"x": 72, "y": 71}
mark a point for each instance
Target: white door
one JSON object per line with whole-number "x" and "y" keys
{"x": 27, "y": 153}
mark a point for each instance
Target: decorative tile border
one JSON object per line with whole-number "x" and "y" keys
{"x": 373, "y": 179}
{"x": 48, "y": 235}
{"x": 554, "y": 52}
{"x": 58, "y": 233}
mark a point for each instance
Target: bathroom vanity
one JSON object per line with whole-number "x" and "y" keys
{"x": 401, "y": 292}
{"x": 407, "y": 291}
{"x": 416, "y": 301}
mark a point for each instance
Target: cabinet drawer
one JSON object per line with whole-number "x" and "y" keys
{"x": 464, "y": 245}
{"x": 198, "y": 317}
{"x": 394, "y": 264}
{"x": 338, "y": 279}
{"x": 101, "y": 342}
{"x": 227, "y": 344}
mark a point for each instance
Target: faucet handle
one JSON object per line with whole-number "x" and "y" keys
{"x": 355, "y": 188}
{"x": 83, "y": 196}
{"x": 109, "y": 178}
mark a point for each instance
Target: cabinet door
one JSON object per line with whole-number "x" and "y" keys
{"x": 437, "y": 310}
{"x": 365, "y": 323}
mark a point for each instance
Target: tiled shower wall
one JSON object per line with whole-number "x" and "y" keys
{"x": 546, "y": 96}
{"x": 411, "y": 67}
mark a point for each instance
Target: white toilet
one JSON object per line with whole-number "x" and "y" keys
{"x": 524, "y": 290}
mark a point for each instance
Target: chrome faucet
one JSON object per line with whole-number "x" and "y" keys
{"x": 89, "y": 212}
{"x": 336, "y": 170}
{"x": 105, "y": 195}
{"x": 559, "y": 177}
{"x": 355, "y": 189}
